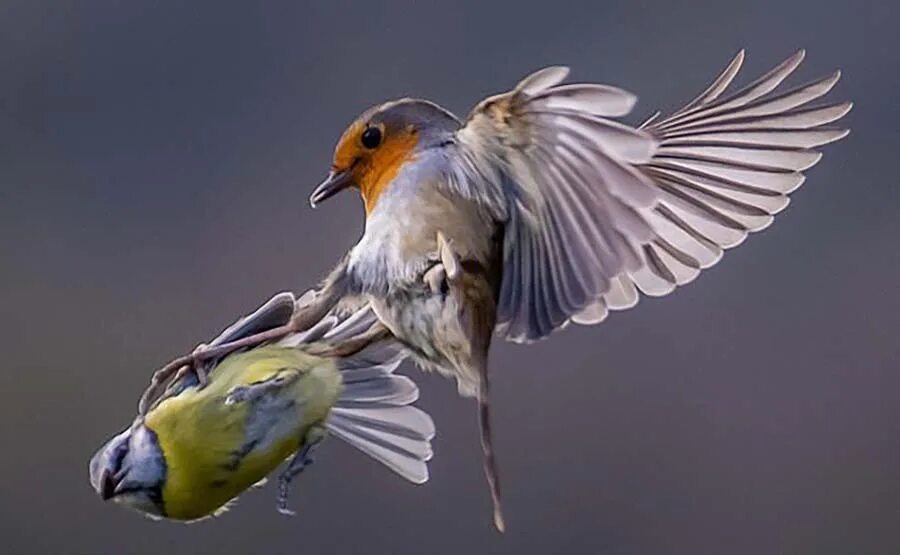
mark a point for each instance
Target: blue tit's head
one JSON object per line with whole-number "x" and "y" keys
{"x": 131, "y": 470}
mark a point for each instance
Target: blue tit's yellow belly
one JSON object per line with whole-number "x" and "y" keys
{"x": 214, "y": 450}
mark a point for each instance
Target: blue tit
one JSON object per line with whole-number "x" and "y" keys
{"x": 201, "y": 446}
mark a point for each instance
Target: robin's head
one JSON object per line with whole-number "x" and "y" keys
{"x": 375, "y": 146}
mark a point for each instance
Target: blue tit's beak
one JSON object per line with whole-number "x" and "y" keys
{"x": 105, "y": 467}
{"x": 336, "y": 182}
{"x": 131, "y": 470}
{"x": 108, "y": 484}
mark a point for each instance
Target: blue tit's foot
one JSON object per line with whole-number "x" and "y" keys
{"x": 254, "y": 391}
{"x": 299, "y": 461}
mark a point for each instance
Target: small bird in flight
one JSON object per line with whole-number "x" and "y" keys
{"x": 539, "y": 210}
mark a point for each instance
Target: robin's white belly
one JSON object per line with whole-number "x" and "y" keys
{"x": 429, "y": 325}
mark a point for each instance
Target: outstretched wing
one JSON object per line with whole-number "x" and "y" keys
{"x": 275, "y": 312}
{"x": 595, "y": 210}
{"x": 349, "y": 318}
{"x": 726, "y": 165}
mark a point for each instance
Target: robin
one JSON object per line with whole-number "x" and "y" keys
{"x": 538, "y": 210}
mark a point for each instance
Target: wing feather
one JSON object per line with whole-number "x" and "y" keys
{"x": 595, "y": 210}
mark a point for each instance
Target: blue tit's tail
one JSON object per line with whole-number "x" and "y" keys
{"x": 374, "y": 411}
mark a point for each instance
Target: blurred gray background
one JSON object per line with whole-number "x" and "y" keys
{"x": 155, "y": 164}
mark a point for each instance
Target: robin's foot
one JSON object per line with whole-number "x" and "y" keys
{"x": 196, "y": 362}
{"x": 436, "y": 279}
{"x": 198, "y": 368}
{"x": 349, "y": 347}
{"x": 441, "y": 277}
{"x": 163, "y": 380}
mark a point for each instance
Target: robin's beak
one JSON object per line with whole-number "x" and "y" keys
{"x": 336, "y": 182}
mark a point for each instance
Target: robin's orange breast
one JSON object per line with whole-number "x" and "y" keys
{"x": 378, "y": 170}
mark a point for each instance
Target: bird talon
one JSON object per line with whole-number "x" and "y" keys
{"x": 200, "y": 370}
{"x": 320, "y": 349}
{"x": 298, "y": 462}
{"x": 446, "y": 271}
{"x": 163, "y": 381}
{"x": 287, "y": 512}
{"x": 436, "y": 279}
{"x": 202, "y": 377}
{"x": 236, "y": 395}
{"x": 449, "y": 260}
{"x": 257, "y": 390}
{"x": 194, "y": 367}
{"x": 284, "y": 487}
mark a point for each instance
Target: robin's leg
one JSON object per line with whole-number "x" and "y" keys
{"x": 305, "y": 316}
{"x": 376, "y": 332}
{"x": 307, "y": 312}
{"x": 299, "y": 461}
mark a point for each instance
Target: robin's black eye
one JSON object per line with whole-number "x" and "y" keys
{"x": 371, "y": 137}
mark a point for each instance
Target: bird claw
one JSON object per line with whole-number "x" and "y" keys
{"x": 323, "y": 349}
{"x": 257, "y": 390}
{"x": 286, "y": 512}
{"x": 198, "y": 368}
{"x": 449, "y": 259}
{"x": 299, "y": 461}
{"x": 163, "y": 380}
{"x": 199, "y": 362}
{"x": 445, "y": 273}
{"x": 436, "y": 279}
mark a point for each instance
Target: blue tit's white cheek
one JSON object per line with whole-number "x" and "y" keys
{"x": 142, "y": 473}
{"x": 145, "y": 461}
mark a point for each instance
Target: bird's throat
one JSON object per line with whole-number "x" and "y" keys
{"x": 383, "y": 166}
